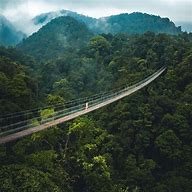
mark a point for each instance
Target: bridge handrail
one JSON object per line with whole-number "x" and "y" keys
{"x": 74, "y": 109}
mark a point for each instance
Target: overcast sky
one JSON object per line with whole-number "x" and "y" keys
{"x": 22, "y": 10}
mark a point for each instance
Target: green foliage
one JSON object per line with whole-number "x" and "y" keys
{"x": 54, "y": 99}
{"x": 85, "y": 139}
{"x": 46, "y": 113}
{"x": 140, "y": 143}
{"x": 16, "y": 86}
{"x": 99, "y": 46}
{"x": 21, "y": 178}
{"x": 169, "y": 145}
{"x": 43, "y": 160}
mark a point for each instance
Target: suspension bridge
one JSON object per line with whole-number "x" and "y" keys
{"x": 21, "y": 124}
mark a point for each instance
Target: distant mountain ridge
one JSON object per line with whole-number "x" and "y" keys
{"x": 134, "y": 23}
{"x": 186, "y": 26}
{"x": 44, "y": 18}
{"x": 9, "y": 36}
{"x": 140, "y": 23}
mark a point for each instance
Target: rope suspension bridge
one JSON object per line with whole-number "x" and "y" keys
{"x": 30, "y": 121}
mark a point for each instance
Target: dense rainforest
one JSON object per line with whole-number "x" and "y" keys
{"x": 140, "y": 143}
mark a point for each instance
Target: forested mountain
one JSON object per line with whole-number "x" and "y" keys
{"x": 63, "y": 34}
{"x": 8, "y": 33}
{"x": 134, "y": 23}
{"x": 141, "y": 143}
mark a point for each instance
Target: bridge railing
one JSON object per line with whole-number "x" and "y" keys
{"x": 30, "y": 114}
{"x": 92, "y": 101}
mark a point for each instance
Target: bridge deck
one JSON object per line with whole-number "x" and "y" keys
{"x": 124, "y": 93}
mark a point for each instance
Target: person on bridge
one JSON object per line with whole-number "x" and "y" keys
{"x": 86, "y": 106}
